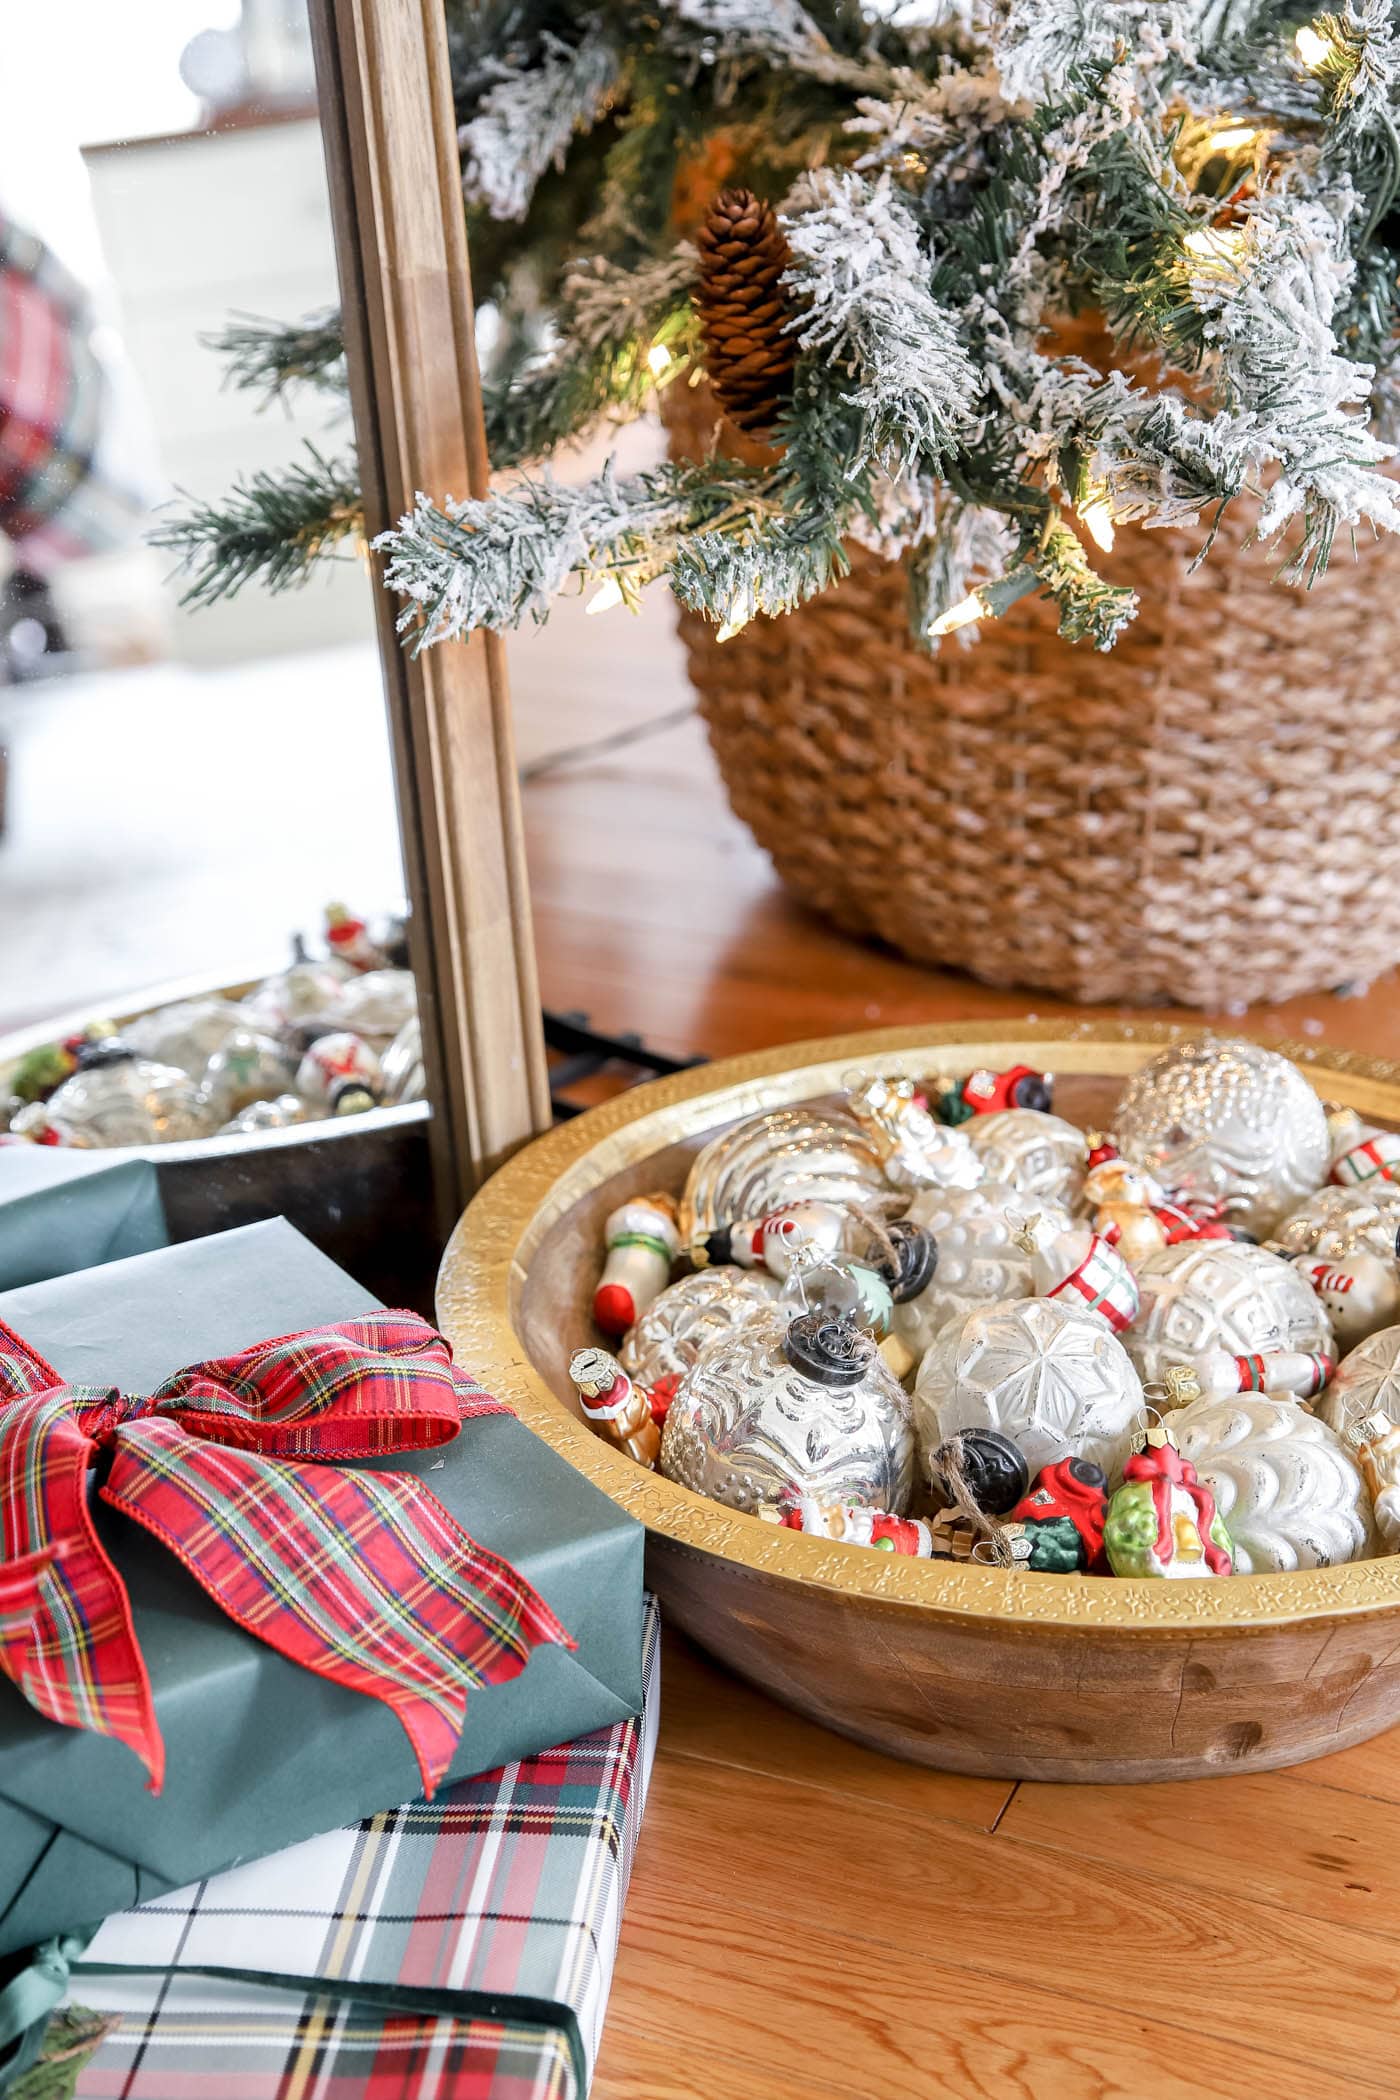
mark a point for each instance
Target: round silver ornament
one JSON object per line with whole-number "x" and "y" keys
{"x": 1053, "y": 1378}
{"x": 782, "y": 1156}
{"x": 1367, "y": 1382}
{"x": 684, "y": 1318}
{"x": 401, "y": 1067}
{"x": 1039, "y": 1156}
{"x": 278, "y": 1114}
{"x": 1289, "y": 1492}
{"x": 133, "y": 1102}
{"x": 751, "y": 1425}
{"x": 375, "y": 1006}
{"x": 1335, "y": 1222}
{"x": 980, "y": 1259}
{"x": 1222, "y": 1294}
{"x": 290, "y": 999}
{"x": 188, "y": 1033}
{"x": 1223, "y": 1120}
{"x": 248, "y": 1066}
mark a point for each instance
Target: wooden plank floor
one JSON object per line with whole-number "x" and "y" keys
{"x": 809, "y": 1921}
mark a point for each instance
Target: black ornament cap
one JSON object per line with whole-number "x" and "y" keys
{"x": 713, "y": 1249}
{"x": 104, "y": 1050}
{"x": 915, "y": 1259}
{"x": 833, "y": 1352}
{"x": 1036, "y": 1090}
{"x": 990, "y": 1469}
{"x": 1088, "y": 1474}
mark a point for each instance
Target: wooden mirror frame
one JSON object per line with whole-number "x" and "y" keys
{"x": 389, "y": 129}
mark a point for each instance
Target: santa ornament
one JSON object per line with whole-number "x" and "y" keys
{"x": 916, "y": 1151}
{"x": 1062, "y": 1518}
{"x": 642, "y": 1242}
{"x": 851, "y": 1525}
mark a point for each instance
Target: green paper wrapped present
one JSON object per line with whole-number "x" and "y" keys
{"x": 259, "y": 1752}
{"x": 64, "y": 1211}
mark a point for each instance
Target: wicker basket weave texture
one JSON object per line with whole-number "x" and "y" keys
{"x": 1210, "y": 813}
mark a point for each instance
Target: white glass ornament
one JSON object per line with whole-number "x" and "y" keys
{"x": 1226, "y": 1295}
{"x": 1222, "y": 1119}
{"x": 784, "y": 1155}
{"x": 981, "y": 1258}
{"x": 248, "y": 1066}
{"x": 1366, "y": 1382}
{"x": 1289, "y": 1492}
{"x": 1038, "y": 1156}
{"x": 760, "y": 1418}
{"x": 278, "y": 1114}
{"x": 1083, "y": 1269}
{"x": 1055, "y": 1380}
{"x": 289, "y": 999}
{"x": 677, "y": 1325}
{"x": 1374, "y": 1156}
{"x": 1338, "y": 1221}
{"x": 375, "y": 1005}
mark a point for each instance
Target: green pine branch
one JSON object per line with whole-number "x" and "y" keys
{"x": 272, "y": 528}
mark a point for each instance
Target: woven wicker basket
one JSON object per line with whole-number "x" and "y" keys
{"x": 1209, "y": 814}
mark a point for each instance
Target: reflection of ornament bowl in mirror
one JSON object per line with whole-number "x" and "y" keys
{"x": 955, "y": 1664}
{"x": 357, "y": 1187}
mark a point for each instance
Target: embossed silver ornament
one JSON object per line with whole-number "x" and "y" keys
{"x": 375, "y": 1006}
{"x": 1338, "y": 1221}
{"x": 131, "y": 1102}
{"x": 1221, "y": 1119}
{"x": 187, "y": 1033}
{"x": 1038, "y": 1155}
{"x": 1367, "y": 1382}
{"x": 1056, "y": 1380}
{"x": 782, "y": 1156}
{"x": 401, "y": 1067}
{"x": 980, "y": 1261}
{"x": 1290, "y": 1494}
{"x": 750, "y": 1428}
{"x": 278, "y": 1114}
{"x": 684, "y": 1318}
{"x": 248, "y": 1066}
{"x": 1222, "y": 1295}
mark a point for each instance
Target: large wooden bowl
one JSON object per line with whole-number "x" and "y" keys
{"x": 1011, "y": 1674}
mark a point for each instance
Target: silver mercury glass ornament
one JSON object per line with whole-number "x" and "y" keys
{"x": 188, "y": 1033}
{"x": 1335, "y": 1222}
{"x": 1289, "y": 1492}
{"x": 401, "y": 1067}
{"x": 1037, "y": 1155}
{"x": 1053, "y": 1378}
{"x": 980, "y": 1258}
{"x": 1367, "y": 1382}
{"x": 1222, "y": 1294}
{"x": 915, "y": 1149}
{"x": 781, "y": 1408}
{"x": 374, "y": 1006}
{"x": 248, "y": 1066}
{"x": 128, "y": 1101}
{"x": 782, "y": 1156}
{"x": 1222, "y": 1120}
{"x": 670, "y": 1334}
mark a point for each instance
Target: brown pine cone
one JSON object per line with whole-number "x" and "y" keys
{"x": 742, "y": 307}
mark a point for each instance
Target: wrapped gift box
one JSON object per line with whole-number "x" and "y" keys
{"x": 488, "y": 1916}
{"x": 259, "y": 1752}
{"x": 61, "y": 1211}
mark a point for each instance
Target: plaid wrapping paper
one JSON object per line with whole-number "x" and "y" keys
{"x": 509, "y": 1886}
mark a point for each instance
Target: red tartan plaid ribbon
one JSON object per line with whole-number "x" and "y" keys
{"x": 362, "y": 1577}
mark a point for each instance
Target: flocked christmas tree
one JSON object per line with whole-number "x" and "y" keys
{"x": 868, "y": 227}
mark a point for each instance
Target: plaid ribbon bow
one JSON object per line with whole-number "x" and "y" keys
{"x": 362, "y": 1577}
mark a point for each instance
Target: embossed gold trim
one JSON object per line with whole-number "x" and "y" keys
{"x": 486, "y": 1261}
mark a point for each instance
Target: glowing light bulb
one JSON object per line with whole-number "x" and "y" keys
{"x": 659, "y": 358}
{"x": 1096, "y": 516}
{"x": 1232, "y": 139}
{"x": 607, "y": 595}
{"x": 962, "y": 614}
{"x": 1314, "y": 50}
{"x": 1215, "y": 243}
